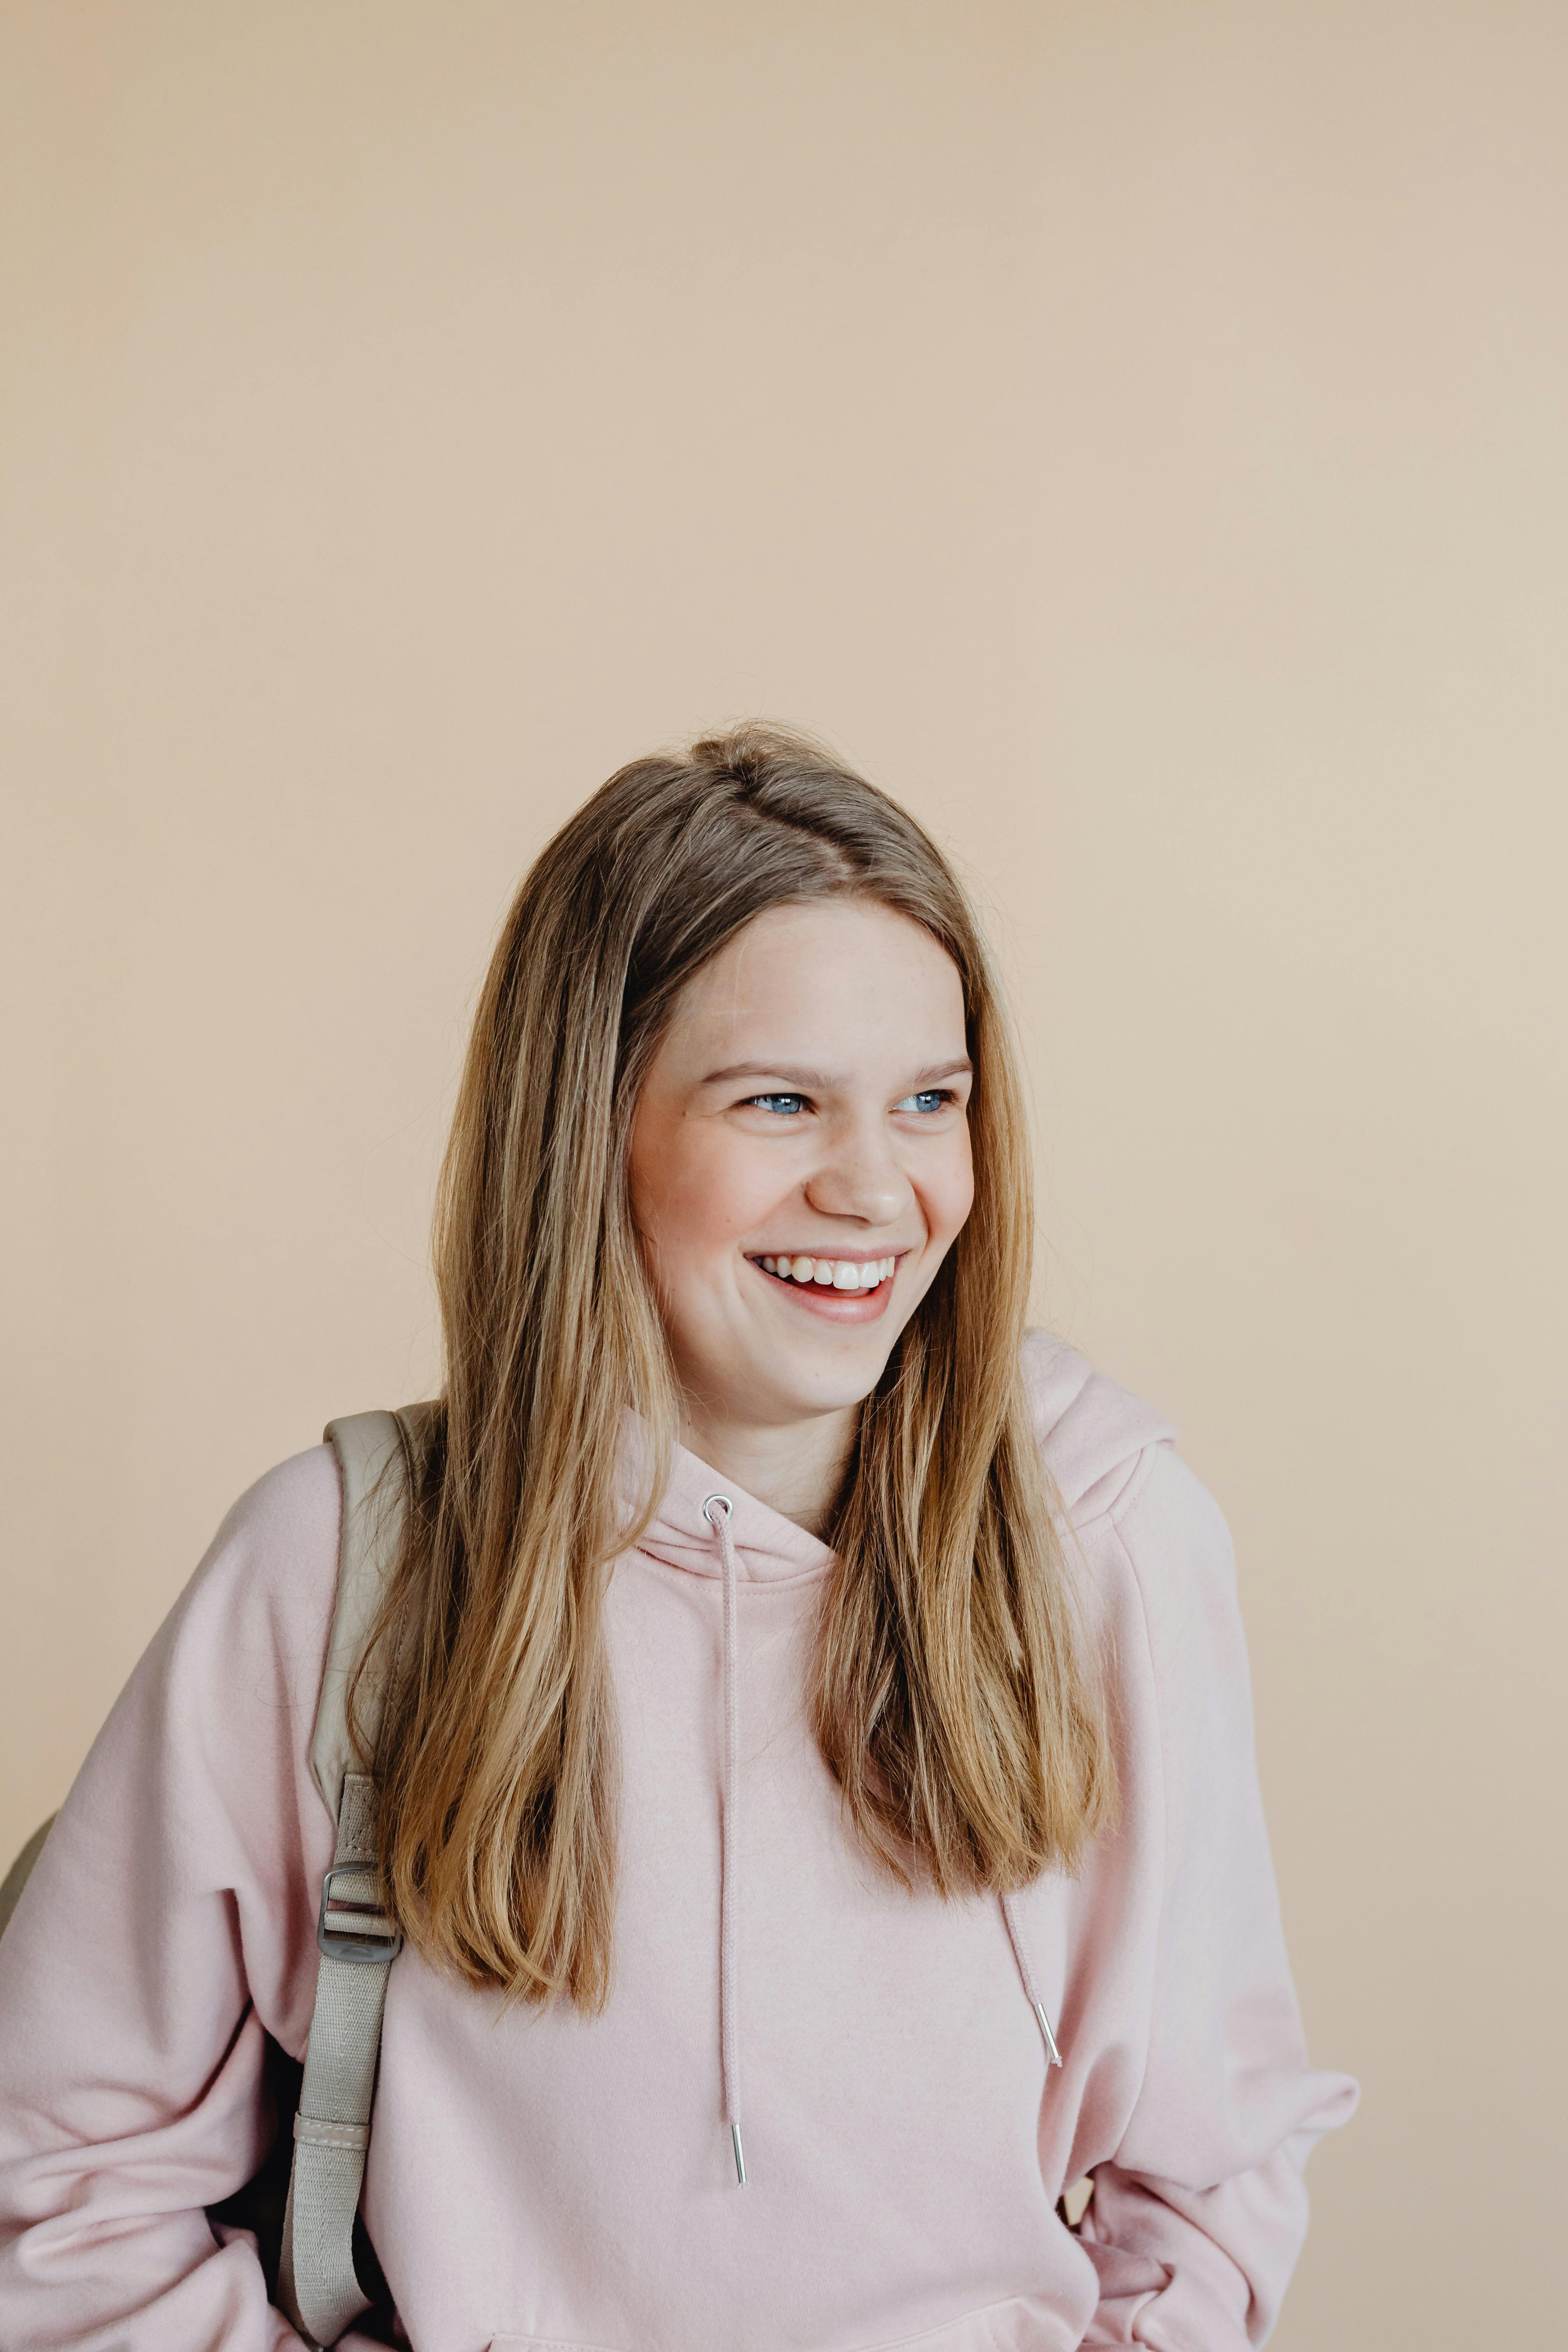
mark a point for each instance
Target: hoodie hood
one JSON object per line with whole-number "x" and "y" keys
{"x": 1092, "y": 1432}
{"x": 769, "y": 1549}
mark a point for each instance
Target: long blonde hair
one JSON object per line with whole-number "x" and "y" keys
{"x": 952, "y": 1702}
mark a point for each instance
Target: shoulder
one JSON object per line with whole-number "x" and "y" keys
{"x": 255, "y": 1614}
{"x": 298, "y": 1502}
{"x": 194, "y": 1819}
{"x": 1143, "y": 1520}
{"x": 203, "y": 1755}
{"x": 276, "y": 1540}
{"x": 1097, "y": 1438}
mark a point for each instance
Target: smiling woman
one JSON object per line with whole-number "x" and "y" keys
{"x": 740, "y": 1008}
{"x": 788, "y": 1675}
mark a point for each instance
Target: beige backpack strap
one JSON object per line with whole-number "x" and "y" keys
{"x": 317, "y": 2285}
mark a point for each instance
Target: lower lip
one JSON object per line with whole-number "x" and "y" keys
{"x": 831, "y": 1305}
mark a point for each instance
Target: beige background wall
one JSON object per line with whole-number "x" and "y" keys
{"x": 1135, "y": 433}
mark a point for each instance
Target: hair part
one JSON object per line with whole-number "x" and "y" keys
{"x": 951, "y": 1701}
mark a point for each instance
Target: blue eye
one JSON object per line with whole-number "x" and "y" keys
{"x": 783, "y": 1105}
{"x": 932, "y": 1099}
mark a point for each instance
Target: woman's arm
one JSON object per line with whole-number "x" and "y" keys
{"x": 167, "y": 1925}
{"x": 1197, "y": 2223}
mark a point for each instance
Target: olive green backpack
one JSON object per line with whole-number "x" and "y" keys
{"x": 303, "y": 2203}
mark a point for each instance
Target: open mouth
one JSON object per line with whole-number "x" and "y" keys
{"x": 856, "y": 1276}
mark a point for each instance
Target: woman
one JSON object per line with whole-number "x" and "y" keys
{"x": 815, "y": 1768}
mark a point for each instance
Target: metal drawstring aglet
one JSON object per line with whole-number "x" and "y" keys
{"x": 1053, "y": 2056}
{"x": 740, "y": 2154}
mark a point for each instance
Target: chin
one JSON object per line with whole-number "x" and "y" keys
{"x": 836, "y": 1390}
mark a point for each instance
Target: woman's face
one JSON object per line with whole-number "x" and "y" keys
{"x": 800, "y": 1158}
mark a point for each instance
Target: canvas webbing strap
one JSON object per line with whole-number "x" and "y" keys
{"x": 317, "y": 2281}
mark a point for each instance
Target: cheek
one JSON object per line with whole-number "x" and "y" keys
{"x": 949, "y": 1194}
{"x": 695, "y": 1188}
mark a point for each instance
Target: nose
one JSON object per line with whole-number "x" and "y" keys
{"x": 859, "y": 1177}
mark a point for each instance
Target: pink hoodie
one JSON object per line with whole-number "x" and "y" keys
{"x": 539, "y": 2181}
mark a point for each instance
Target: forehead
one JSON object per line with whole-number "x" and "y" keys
{"x": 840, "y": 973}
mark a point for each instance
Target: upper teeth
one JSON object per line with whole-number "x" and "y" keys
{"x": 833, "y": 1273}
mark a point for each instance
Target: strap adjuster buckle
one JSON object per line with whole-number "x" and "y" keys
{"x": 355, "y": 1931}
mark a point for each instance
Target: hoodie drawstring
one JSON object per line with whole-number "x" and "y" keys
{"x": 1027, "y": 1970}
{"x": 717, "y": 1511}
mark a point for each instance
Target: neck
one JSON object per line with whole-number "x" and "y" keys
{"x": 795, "y": 1469}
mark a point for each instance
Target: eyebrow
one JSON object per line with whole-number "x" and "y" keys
{"x": 823, "y": 1081}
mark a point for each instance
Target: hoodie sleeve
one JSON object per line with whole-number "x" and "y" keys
{"x": 165, "y": 1929}
{"x": 1198, "y": 2219}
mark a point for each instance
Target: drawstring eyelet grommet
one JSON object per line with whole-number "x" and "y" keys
{"x": 719, "y": 1502}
